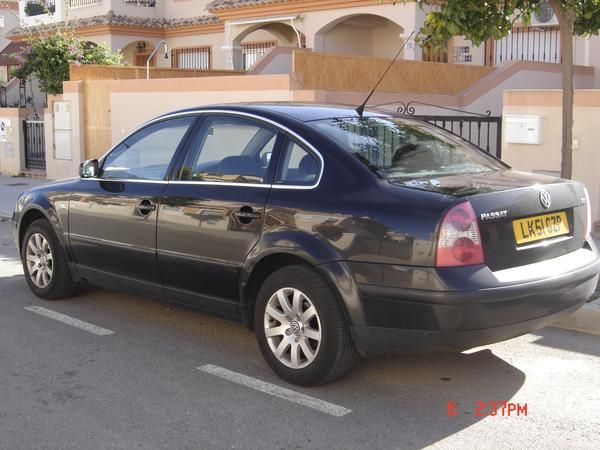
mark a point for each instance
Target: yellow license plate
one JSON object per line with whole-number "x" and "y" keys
{"x": 540, "y": 227}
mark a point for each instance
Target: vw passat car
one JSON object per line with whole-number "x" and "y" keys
{"x": 328, "y": 233}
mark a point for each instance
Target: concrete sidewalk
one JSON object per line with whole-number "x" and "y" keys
{"x": 586, "y": 320}
{"x": 11, "y": 188}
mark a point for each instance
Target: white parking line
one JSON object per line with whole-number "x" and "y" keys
{"x": 90, "y": 328}
{"x": 277, "y": 391}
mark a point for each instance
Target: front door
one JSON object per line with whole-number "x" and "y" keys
{"x": 212, "y": 216}
{"x": 112, "y": 218}
{"x": 142, "y": 60}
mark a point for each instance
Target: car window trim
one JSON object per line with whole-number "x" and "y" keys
{"x": 200, "y": 133}
{"x": 201, "y": 113}
{"x": 182, "y": 145}
{"x": 290, "y": 140}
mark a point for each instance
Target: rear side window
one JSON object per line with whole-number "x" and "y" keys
{"x": 405, "y": 149}
{"x": 146, "y": 155}
{"x": 298, "y": 166}
{"x": 230, "y": 149}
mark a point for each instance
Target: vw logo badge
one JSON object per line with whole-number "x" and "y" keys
{"x": 295, "y": 326}
{"x": 545, "y": 198}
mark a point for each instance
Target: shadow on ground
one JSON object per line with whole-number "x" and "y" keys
{"x": 573, "y": 341}
{"x": 403, "y": 399}
{"x": 403, "y": 396}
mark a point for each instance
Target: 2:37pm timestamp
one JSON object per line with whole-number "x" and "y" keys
{"x": 485, "y": 409}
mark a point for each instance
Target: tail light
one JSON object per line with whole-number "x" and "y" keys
{"x": 588, "y": 215}
{"x": 459, "y": 241}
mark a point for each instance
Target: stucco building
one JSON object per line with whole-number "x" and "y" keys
{"x": 234, "y": 34}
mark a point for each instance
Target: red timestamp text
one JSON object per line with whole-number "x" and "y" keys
{"x": 485, "y": 409}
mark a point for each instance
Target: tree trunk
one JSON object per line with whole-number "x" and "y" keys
{"x": 566, "y": 19}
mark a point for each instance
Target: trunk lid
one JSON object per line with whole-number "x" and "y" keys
{"x": 506, "y": 200}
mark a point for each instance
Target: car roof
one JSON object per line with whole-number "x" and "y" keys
{"x": 300, "y": 111}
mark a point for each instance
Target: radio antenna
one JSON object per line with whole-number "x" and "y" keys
{"x": 361, "y": 109}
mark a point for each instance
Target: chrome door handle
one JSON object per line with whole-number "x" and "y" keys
{"x": 248, "y": 215}
{"x": 145, "y": 207}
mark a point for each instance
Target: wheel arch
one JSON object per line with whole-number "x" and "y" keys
{"x": 32, "y": 214}
{"x": 35, "y": 212}
{"x": 335, "y": 274}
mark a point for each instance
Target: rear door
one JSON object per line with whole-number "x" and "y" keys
{"x": 212, "y": 214}
{"x": 112, "y": 218}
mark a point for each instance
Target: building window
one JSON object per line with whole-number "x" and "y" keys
{"x": 192, "y": 58}
{"x": 4, "y": 74}
{"x": 253, "y": 51}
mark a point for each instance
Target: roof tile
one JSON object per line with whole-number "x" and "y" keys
{"x": 116, "y": 19}
{"x": 217, "y": 5}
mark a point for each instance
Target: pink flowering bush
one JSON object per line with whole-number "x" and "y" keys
{"x": 50, "y": 56}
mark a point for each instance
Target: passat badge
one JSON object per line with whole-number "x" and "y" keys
{"x": 545, "y": 198}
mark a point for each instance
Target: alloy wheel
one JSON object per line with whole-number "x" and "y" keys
{"x": 292, "y": 328}
{"x": 40, "y": 261}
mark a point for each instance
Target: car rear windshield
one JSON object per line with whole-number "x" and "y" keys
{"x": 402, "y": 149}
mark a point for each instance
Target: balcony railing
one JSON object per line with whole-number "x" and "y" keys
{"x": 39, "y": 7}
{"x": 541, "y": 44}
{"x": 78, "y": 3}
{"x": 253, "y": 51}
{"x": 149, "y": 3}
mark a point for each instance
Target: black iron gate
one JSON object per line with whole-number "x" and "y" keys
{"x": 35, "y": 148}
{"x": 482, "y": 130}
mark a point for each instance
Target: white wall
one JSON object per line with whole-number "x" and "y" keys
{"x": 348, "y": 40}
{"x": 492, "y": 100}
{"x": 477, "y": 53}
{"x": 547, "y": 155}
{"x": 11, "y": 20}
{"x": 64, "y": 168}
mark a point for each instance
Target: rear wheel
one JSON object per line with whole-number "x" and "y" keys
{"x": 300, "y": 328}
{"x": 45, "y": 263}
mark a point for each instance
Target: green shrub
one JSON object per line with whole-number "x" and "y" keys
{"x": 50, "y": 56}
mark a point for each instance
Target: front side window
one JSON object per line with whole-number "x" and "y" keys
{"x": 146, "y": 155}
{"x": 230, "y": 149}
{"x": 406, "y": 149}
{"x": 298, "y": 166}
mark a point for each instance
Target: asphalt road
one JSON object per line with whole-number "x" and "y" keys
{"x": 65, "y": 387}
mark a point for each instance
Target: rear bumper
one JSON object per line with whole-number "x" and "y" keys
{"x": 397, "y": 319}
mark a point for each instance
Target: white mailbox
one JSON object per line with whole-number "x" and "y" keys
{"x": 62, "y": 130}
{"x": 523, "y": 130}
{"x": 62, "y": 115}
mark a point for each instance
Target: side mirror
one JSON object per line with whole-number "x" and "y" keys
{"x": 89, "y": 169}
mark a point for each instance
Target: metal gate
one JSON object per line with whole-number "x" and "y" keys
{"x": 35, "y": 148}
{"x": 482, "y": 130}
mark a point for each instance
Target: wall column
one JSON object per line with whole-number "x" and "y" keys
{"x": 12, "y": 142}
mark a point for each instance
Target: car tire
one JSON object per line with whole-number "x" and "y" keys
{"x": 45, "y": 264}
{"x": 312, "y": 325}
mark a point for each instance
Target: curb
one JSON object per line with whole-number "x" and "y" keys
{"x": 585, "y": 320}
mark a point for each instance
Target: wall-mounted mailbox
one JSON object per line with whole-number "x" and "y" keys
{"x": 62, "y": 115}
{"x": 523, "y": 130}
{"x": 62, "y": 130}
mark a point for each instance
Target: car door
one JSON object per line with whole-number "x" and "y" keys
{"x": 112, "y": 218}
{"x": 212, "y": 214}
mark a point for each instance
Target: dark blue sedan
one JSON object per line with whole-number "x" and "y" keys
{"x": 328, "y": 233}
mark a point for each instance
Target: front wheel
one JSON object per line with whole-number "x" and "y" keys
{"x": 45, "y": 263}
{"x": 300, "y": 328}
